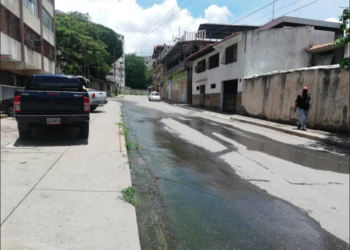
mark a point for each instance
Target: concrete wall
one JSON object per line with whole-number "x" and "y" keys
{"x": 33, "y": 59}
{"x": 272, "y": 97}
{"x": 49, "y": 66}
{"x": 10, "y": 46}
{"x": 12, "y": 5}
{"x": 31, "y": 20}
{"x": 281, "y": 49}
{"x": 49, "y": 36}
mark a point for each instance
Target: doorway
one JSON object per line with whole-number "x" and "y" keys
{"x": 230, "y": 95}
{"x": 202, "y": 96}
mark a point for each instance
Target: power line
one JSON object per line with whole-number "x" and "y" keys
{"x": 274, "y": 11}
{"x": 147, "y": 23}
{"x": 295, "y": 10}
{"x": 144, "y": 36}
{"x": 244, "y": 17}
{"x": 301, "y": 7}
{"x": 160, "y": 24}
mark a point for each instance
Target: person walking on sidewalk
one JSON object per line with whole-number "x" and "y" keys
{"x": 303, "y": 103}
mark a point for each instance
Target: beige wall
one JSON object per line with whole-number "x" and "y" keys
{"x": 272, "y": 97}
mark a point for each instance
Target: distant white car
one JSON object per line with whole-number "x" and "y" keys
{"x": 97, "y": 98}
{"x": 154, "y": 96}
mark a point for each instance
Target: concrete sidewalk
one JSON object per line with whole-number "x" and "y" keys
{"x": 60, "y": 195}
{"x": 332, "y": 139}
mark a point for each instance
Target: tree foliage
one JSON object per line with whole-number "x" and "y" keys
{"x": 76, "y": 37}
{"x": 344, "y": 18}
{"x": 137, "y": 74}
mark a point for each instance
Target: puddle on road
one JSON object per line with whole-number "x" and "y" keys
{"x": 188, "y": 198}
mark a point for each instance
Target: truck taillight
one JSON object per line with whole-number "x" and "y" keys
{"x": 86, "y": 104}
{"x": 17, "y": 103}
{"x": 93, "y": 95}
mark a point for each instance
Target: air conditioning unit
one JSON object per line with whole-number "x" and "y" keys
{"x": 50, "y": 56}
{"x": 38, "y": 44}
{"x": 29, "y": 42}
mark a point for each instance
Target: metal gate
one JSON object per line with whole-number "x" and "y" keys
{"x": 202, "y": 96}
{"x": 230, "y": 96}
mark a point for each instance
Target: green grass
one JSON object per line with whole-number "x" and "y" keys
{"x": 125, "y": 131}
{"x": 129, "y": 195}
{"x": 137, "y": 146}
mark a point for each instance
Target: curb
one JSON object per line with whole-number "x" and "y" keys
{"x": 3, "y": 116}
{"x": 340, "y": 144}
{"x": 123, "y": 148}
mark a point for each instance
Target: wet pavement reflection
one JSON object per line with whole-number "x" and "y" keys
{"x": 189, "y": 198}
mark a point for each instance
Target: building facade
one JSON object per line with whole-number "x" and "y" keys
{"x": 177, "y": 81}
{"x": 149, "y": 61}
{"x": 218, "y": 70}
{"x": 117, "y": 73}
{"x": 28, "y": 44}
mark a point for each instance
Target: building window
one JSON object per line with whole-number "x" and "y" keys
{"x": 101, "y": 87}
{"x": 231, "y": 54}
{"x": 108, "y": 87}
{"x": 32, "y": 5}
{"x": 200, "y": 66}
{"x": 9, "y": 24}
{"x": 47, "y": 20}
{"x": 213, "y": 86}
{"x": 214, "y": 61}
{"x": 197, "y": 87}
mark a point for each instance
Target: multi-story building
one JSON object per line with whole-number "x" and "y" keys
{"x": 28, "y": 43}
{"x": 149, "y": 61}
{"x": 117, "y": 73}
{"x": 158, "y": 68}
{"x": 177, "y": 80}
{"x": 285, "y": 43}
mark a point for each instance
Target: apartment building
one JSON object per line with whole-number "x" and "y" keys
{"x": 28, "y": 43}
{"x": 219, "y": 69}
{"x": 117, "y": 73}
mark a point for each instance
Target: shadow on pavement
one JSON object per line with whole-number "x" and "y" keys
{"x": 55, "y": 136}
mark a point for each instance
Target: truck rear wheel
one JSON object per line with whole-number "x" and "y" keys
{"x": 24, "y": 130}
{"x": 84, "y": 130}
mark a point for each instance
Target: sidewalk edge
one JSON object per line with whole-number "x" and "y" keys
{"x": 327, "y": 141}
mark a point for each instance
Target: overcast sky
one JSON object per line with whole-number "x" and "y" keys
{"x": 136, "y": 19}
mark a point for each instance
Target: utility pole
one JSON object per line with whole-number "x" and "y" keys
{"x": 84, "y": 62}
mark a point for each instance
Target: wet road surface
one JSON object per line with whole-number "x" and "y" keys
{"x": 204, "y": 184}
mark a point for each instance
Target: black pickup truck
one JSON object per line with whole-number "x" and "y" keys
{"x": 52, "y": 100}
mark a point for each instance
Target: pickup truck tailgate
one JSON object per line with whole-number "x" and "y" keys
{"x": 48, "y": 102}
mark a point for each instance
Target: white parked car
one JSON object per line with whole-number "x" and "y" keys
{"x": 97, "y": 98}
{"x": 154, "y": 96}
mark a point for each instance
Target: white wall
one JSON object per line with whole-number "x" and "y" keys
{"x": 33, "y": 59}
{"x": 12, "y": 5}
{"x": 31, "y": 20}
{"x": 10, "y": 46}
{"x": 48, "y": 7}
{"x": 49, "y": 66}
{"x": 224, "y": 72}
{"x": 48, "y": 35}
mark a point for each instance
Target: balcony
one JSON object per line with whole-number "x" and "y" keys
{"x": 192, "y": 36}
{"x": 180, "y": 66}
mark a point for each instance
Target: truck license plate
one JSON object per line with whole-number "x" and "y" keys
{"x": 53, "y": 121}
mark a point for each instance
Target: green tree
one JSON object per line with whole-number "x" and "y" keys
{"x": 344, "y": 18}
{"x": 136, "y": 72}
{"x": 78, "y": 38}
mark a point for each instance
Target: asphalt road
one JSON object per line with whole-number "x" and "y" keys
{"x": 207, "y": 183}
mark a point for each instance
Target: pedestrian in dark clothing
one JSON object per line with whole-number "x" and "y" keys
{"x": 303, "y": 103}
